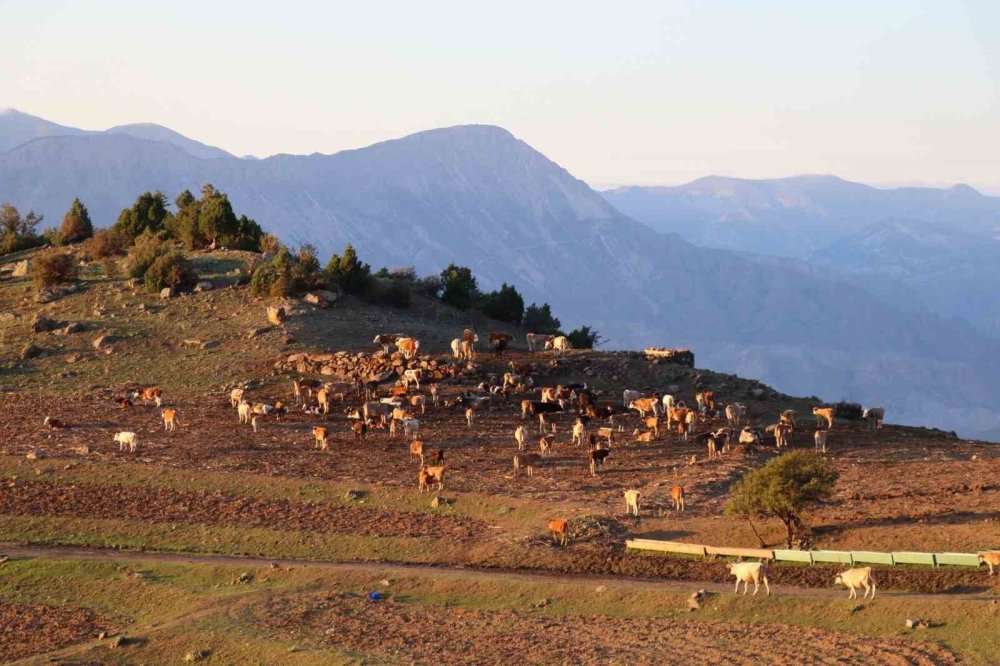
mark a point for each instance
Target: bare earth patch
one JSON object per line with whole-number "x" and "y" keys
{"x": 30, "y": 629}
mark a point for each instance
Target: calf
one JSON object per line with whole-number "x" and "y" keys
{"x": 820, "y": 440}
{"x": 558, "y": 530}
{"x": 360, "y": 430}
{"x": 386, "y": 340}
{"x": 824, "y": 414}
{"x": 734, "y": 414}
{"x": 127, "y": 439}
{"x": 429, "y": 476}
{"x": 408, "y": 347}
{"x": 151, "y": 394}
{"x": 677, "y": 495}
{"x": 437, "y": 457}
{"x": 236, "y": 397}
{"x": 435, "y": 394}
{"x": 319, "y": 435}
{"x": 544, "y": 444}
{"x": 579, "y": 430}
{"x": 644, "y": 406}
{"x": 470, "y": 416}
{"x": 410, "y": 428}
{"x": 990, "y": 559}
{"x": 856, "y": 578}
{"x": 243, "y": 412}
{"x": 417, "y": 449}
{"x": 520, "y": 434}
{"x": 418, "y": 401}
{"x": 782, "y": 431}
{"x": 527, "y": 460}
{"x": 412, "y": 376}
{"x": 747, "y": 571}
{"x": 653, "y": 423}
{"x": 169, "y": 419}
{"x": 537, "y": 339}
{"x": 607, "y": 433}
{"x": 632, "y": 498}
{"x": 597, "y": 458}
{"x": 874, "y": 416}
{"x": 642, "y": 436}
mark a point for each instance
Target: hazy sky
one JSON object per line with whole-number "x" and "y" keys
{"x": 881, "y": 91}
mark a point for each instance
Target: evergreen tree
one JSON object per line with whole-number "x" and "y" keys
{"x": 76, "y": 224}
{"x": 460, "y": 288}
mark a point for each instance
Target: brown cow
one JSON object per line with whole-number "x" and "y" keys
{"x": 558, "y": 529}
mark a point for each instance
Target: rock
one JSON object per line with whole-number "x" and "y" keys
{"x": 166, "y": 292}
{"x": 191, "y": 342}
{"x": 118, "y": 641}
{"x": 197, "y": 655}
{"x": 438, "y": 501}
{"x": 21, "y": 268}
{"x": 104, "y": 341}
{"x": 210, "y": 344}
{"x": 73, "y": 358}
{"x": 41, "y": 324}
{"x": 694, "y": 601}
{"x": 204, "y": 285}
{"x": 276, "y": 315}
{"x": 69, "y": 329}
{"x": 315, "y": 299}
{"x": 354, "y": 494}
{"x": 37, "y": 454}
{"x": 30, "y": 351}
{"x": 134, "y": 283}
{"x": 257, "y": 331}
{"x": 245, "y": 578}
{"x": 757, "y": 392}
{"x": 917, "y": 624}
{"x": 7, "y": 316}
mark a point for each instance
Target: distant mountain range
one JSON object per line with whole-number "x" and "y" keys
{"x": 478, "y": 196}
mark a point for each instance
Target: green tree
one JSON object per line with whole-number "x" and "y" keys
{"x": 148, "y": 213}
{"x": 148, "y": 247}
{"x": 348, "y": 272}
{"x": 505, "y": 304}
{"x": 171, "y": 270}
{"x": 18, "y": 232}
{"x": 76, "y": 224}
{"x": 782, "y": 489}
{"x": 584, "y": 338}
{"x": 539, "y": 319}
{"x": 460, "y": 288}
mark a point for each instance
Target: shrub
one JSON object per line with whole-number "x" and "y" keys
{"x": 388, "y": 291}
{"x": 110, "y": 267}
{"x": 76, "y": 224}
{"x": 148, "y": 247}
{"x": 506, "y": 304}
{"x": 782, "y": 489}
{"x": 269, "y": 244}
{"x": 584, "y": 338}
{"x": 539, "y": 319}
{"x": 459, "y": 287}
{"x": 17, "y": 232}
{"x": 430, "y": 286}
{"x": 105, "y": 243}
{"x": 171, "y": 270}
{"x": 54, "y": 268}
{"x": 348, "y": 272}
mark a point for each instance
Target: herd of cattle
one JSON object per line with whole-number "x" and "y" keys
{"x": 597, "y": 425}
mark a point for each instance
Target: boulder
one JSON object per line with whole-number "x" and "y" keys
{"x": 166, "y": 292}
{"x": 276, "y": 315}
{"x": 315, "y": 299}
{"x": 21, "y": 268}
{"x": 210, "y": 344}
{"x": 41, "y": 324}
{"x": 30, "y": 351}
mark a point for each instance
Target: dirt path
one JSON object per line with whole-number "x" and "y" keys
{"x": 111, "y": 555}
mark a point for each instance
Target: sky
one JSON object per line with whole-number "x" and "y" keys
{"x": 662, "y": 92}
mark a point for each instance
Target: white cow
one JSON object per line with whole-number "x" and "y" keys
{"x": 127, "y": 439}
{"x": 747, "y": 571}
{"x": 856, "y": 578}
{"x": 560, "y": 344}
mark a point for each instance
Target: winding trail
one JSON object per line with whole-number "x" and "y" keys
{"x": 623, "y": 582}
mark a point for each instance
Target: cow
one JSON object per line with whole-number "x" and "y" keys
{"x": 537, "y": 339}
{"x": 360, "y": 430}
{"x": 856, "y": 578}
{"x": 644, "y": 406}
{"x": 527, "y": 460}
{"x": 632, "y": 500}
{"x": 629, "y": 396}
{"x": 579, "y": 430}
{"x": 408, "y": 347}
{"x": 824, "y": 415}
{"x": 990, "y": 558}
{"x": 169, "y": 419}
{"x": 430, "y": 475}
{"x": 558, "y": 528}
{"x": 820, "y": 440}
{"x": 412, "y": 376}
{"x": 597, "y": 458}
{"x": 500, "y": 342}
{"x": 559, "y": 344}
{"x": 456, "y": 349}
{"x": 236, "y": 397}
{"x": 127, "y": 439}
{"x": 677, "y": 495}
{"x": 747, "y": 571}
{"x": 874, "y": 417}
{"x": 387, "y": 340}
{"x": 735, "y": 414}
{"x": 319, "y": 434}
{"x": 152, "y": 394}
{"x": 417, "y": 449}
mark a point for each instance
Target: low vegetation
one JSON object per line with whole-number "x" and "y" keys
{"x": 54, "y": 268}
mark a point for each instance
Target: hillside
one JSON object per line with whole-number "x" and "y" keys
{"x": 477, "y": 196}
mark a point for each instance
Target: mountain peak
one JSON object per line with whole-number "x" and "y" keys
{"x": 154, "y": 132}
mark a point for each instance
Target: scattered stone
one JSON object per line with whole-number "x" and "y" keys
{"x": 69, "y": 329}
{"x": 257, "y": 331}
{"x": 41, "y": 324}
{"x": 917, "y": 624}
{"x": 276, "y": 315}
{"x": 118, "y": 641}
{"x": 30, "y": 351}
{"x": 210, "y": 344}
{"x": 104, "y": 341}
{"x": 354, "y": 494}
{"x": 7, "y": 316}
{"x": 541, "y": 603}
{"x": 101, "y": 636}
{"x": 204, "y": 285}
{"x": 438, "y": 501}
{"x": 385, "y": 582}
{"x": 245, "y": 578}
{"x": 196, "y": 656}
{"x": 166, "y": 292}
{"x": 315, "y": 299}
{"x": 600, "y": 589}
{"x": 35, "y": 454}
{"x": 74, "y": 358}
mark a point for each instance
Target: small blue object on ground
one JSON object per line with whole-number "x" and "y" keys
{"x": 374, "y": 596}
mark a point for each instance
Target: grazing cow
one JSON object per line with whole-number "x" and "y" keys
{"x": 412, "y": 376}
{"x": 751, "y": 436}
{"x": 713, "y": 447}
{"x": 824, "y": 415}
{"x": 874, "y": 417}
{"x": 677, "y": 495}
{"x": 527, "y": 460}
{"x": 642, "y": 436}
{"x": 990, "y": 558}
{"x": 387, "y": 340}
{"x": 323, "y": 400}
{"x": 820, "y": 440}
{"x": 750, "y": 571}
{"x": 319, "y": 435}
{"x": 236, "y": 397}
{"x": 470, "y": 415}
{"x": 520, "y": 434}
{"x": 253, "y": 422}
{"x": 544, "y": 444}
{"x": 856, "y": 578}
{"x": 644, "y": 406}
{"x": 151, "y": 394}
{"x": 360, "y": 430}
{"x": 408, "y": 347}
{"x": 579, "y": 430}
{"x": 500, "y": 342}
{"x": 678, "y": 415}
{"x": 597, "y": 458}
{"x": 668, "y": 403}
{"x": 559, "y": 344}
{"x": 169, "y": 419}
{"x": 538, "y": 339}
{"x": 558, "y": 530}
{"x": 125, "y": 403}
{"x": 127, "y": 439}
{"x": 417, "y": 449}
{"x": 735, "y": 414}
{"x": 690, "y": 423}
{"x": 632, "y": 498}
{"x": 430, "y": 475}
{"x": 437, "y": 457}
{"x": 435, "y": 394}
{"x": 243, "y": 412}
{"x": 531, "y": 407}
{"x": 418, "y": 401}
{"x": 55, "y": 424}
{"x": 652, "y": 423}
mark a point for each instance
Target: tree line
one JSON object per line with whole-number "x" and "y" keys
{"x": 147, "y": 234}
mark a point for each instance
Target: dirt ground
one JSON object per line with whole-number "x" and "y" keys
{"x": 402, "y": 634}
{"x": 29, "y": 629}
